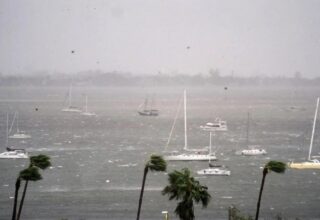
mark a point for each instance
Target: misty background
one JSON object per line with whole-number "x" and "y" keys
{"x": 130, "y": 39}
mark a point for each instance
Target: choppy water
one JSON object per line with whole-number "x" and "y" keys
{"x": 98, "y": 161}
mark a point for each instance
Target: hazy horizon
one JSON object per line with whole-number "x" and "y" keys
{"x": 271, "y": 38}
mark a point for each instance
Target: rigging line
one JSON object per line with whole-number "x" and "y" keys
{"x": 14, "y": 118}
{"x": 313, "y": 129}
{"x": 174, "y": 123}
{"x": 213, "y": 142}
{"x": 7, "y": 138}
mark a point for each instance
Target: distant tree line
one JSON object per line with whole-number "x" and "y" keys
{"x": 99, "y": 78}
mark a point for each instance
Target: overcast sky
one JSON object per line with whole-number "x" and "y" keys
{"x": 248, "y": 37}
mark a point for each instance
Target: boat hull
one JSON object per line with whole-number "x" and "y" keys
{"x": 217, "y": 125}
{"x": 71, "y": 110}
{"x": 214, "y": 172}
{"x": 88, "y": 114}
{"x": 304, "y": 165}
{"x": 207, "y": 128}
{"x": 20, "y": 136}
{"x": 190, "y": 157}
{"x": 253, "y": 152}
{"x": 13, "y": 155}
{"x": 149, "y": 113}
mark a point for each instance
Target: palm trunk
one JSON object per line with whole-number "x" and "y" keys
{"x": 265, "y": 171}
{"x": 142, "y": 190}
{"x": 16, "y": 198}
{"x": 22, "y": 199}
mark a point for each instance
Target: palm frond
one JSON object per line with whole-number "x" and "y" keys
{"x": 157, "y": 163}
{"x": 41, "y": 161}
{"x": 276, "y": 166}
{"x": 30, "y": 174}
{"x": 185, "y": 210}
{"x": 182, "y": 186}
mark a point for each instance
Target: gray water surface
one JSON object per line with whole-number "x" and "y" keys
{"x": 97, "y": 162}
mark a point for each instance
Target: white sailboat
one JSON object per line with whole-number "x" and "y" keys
{"x": 190, "y": 154}
{"x": 213, "y": 170}
{"x": 252, "y": 150}
{"x": 217, "y": 125}
{"x": 86, "y": 113}
{"x": 12, "y": 153}
{"x": 18, "y": 134}
{"x": 70, "y": 108}
{"x": 311, "y": 163}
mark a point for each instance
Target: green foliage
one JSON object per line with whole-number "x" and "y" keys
{"x": 185, "y": 210}
{"x": 31, "y": 174}
{"x": 41, "y": 161}
{"x": 156, "y": 163}
{"x": 182, "y": 186}
{"x": 36, "y": 162}
{"x": 276, "y": 166}
{"x": 271, "y": 166}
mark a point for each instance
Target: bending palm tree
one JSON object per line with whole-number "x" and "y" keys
{"x": 275, "y": 166}
{"x": 182, "y": 186}
{"x": 155, "y": 163}
{"x": 32, "y": 174}
{"x": 16, "y": 192}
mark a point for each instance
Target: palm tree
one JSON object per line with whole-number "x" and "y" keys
{"x": 275, "y": 166}
{"x": 155, "y": 163}
{"x": 32, "y": 174}
{"x": 182, "y": 186}
{"x": 16, "y": 192}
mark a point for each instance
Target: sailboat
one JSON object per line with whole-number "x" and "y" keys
{"x": 217, "y": 125}
{"x": 86, "y": 113}
{"x": 70, "y": 108}
{"x": 192, "y": 154}
{"x": 146, "y": 110}
{"x": 252, "y": 150}
{"x": 12, "y": 153}
{"x": 18, "y": 134}
{"x": 310, "y": 163}
{"x": 213, "y": 170}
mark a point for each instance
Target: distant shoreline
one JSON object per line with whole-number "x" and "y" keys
{"x": 118, "y": 79}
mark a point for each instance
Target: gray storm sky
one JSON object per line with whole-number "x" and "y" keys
{"x": 249, "y": 37}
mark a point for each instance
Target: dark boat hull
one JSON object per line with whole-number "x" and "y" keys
{"x": 149, "y": 113}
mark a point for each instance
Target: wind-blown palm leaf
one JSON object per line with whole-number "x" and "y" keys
{"x": 276, "y": 166}
{"x": 31, "y": 174}
{"x": 155, "y": 163}
{"x": 185, "y": 210}
{"x": 41, "y": 161}
{"x": 271, "y": 166}
{"x": 182, "y": 186}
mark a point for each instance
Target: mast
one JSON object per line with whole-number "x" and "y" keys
{"x": 185, "y": 119}
{"x": 210, "y": 148}
{"x": 12, "y": 123}
{"x": 152, "y": 102}
{"x": 248, "y": 124}
{"x": 313, "y": 129}
{"x": 7, "y": 138}
{"x": 17, "y": 122}
{"x": 174, "y": 123}
{"x": 86, "y": 103}
{"x": 146, "y": 103}
{"x": 70, "y": 90}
